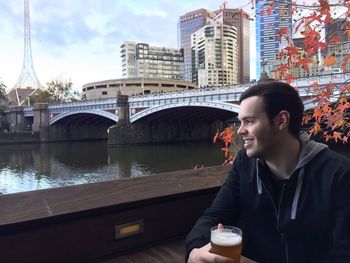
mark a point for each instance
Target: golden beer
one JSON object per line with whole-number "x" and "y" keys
{"x": 227, "y": 242}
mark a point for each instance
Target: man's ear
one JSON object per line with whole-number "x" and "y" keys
{"x": 282, "y": 120}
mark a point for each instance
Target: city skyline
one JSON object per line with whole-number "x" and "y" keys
{"x": 81, "y": 40}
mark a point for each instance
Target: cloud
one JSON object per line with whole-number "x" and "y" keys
{"x": 82, "y": 37}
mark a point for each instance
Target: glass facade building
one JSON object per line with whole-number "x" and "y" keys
{"x": 271, "y": 17}
{"x": 188, "y": 24}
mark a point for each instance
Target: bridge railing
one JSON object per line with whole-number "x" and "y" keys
{"x": 83, "y": 103}
{"x": 101, "y": 104}
{"x": 301, "y": 83}
{"x": 322, "y": 79}
{"x": 189, "y": 93}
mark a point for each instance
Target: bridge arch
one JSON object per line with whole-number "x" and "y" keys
{"x": 98, "y": 112}
{"x": 213, "y": 104}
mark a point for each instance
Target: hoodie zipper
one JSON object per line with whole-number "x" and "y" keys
{"x": 277, "y": 212}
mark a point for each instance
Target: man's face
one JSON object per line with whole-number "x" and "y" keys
{"x": 259, "y": 134}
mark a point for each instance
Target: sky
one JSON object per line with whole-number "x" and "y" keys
{"x": 80, "y": 39}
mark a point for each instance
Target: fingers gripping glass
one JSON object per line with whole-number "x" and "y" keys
{"x": 226, "y": 241}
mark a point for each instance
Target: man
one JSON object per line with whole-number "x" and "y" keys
{"x": 292, "y": 194}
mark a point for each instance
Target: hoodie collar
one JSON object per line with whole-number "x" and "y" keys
{"x": 309, "y": 149}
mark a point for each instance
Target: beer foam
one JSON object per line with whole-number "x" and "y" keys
{"x": 225, "y": 238}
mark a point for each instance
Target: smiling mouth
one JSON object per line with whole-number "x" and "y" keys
{"x": 247, "y": 142}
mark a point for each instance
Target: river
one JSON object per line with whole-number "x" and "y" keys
{"x": 29, "y": 167}
{"x": 38, "y": 166}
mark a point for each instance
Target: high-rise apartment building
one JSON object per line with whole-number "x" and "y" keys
{"x": 338, "y": 45}
{"x": 188, "y": 24}
{"x": 300, "y": 72}
{"x": 271, "y": 17}
{"x": 140, "y": 60}
{"x": 215, "y": 55}
{"x": 240, "y": 20}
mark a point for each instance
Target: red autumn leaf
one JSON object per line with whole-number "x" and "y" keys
{"x": 284, "y": 31}
{"x": 229, "y": 160}
{"x": 345, "y": 88}
{"x": 281, "y": 69}
{"x": 337, "y": 136}
{"x": 317, "y": 115}
{"x": 304, "y": 63}
{"x": 262, "y": 12}
{"x": 345, "y": 139}
{"x": 343, "y": 106}
{"x": 270, "y": 9}
{"x": 292, "y": 51}
{"x": 347, "y": 31}
{"x": 345, "y": 62}
{"x": 325, "y": 8}
{"x": 226, "y": 151}
{"x": 328, "y": 20}
{"x": 228, "y": 138}
{"x": 306, "y": 119}
{"x": 312, "y": 41}
{"x": 315, "y": 129}
{"x": 330, "y": 60}
{"x": 326, "y": 136}
{"x": 216, "y": 136}
{"x": 326, "y": 108}
{"x": 313, "y": 17}
{"x": 289, "y": 78}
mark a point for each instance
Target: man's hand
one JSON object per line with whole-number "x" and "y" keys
{"x": 203, "y": 255}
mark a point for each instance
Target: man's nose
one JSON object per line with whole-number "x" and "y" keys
{"x": 241, "y": 130}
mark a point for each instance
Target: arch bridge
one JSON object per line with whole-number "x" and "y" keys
{"x": 206, "y": 105}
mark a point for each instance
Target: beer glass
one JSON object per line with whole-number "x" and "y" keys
{"x": 227, "y": 242}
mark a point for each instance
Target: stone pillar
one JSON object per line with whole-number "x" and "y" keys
{"x": 41, "y": 116}
{"x": 122, "y": 108}
{"x": 16, "y": 119}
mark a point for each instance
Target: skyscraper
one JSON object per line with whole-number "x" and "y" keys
{"x": 271, "y": 17}
{"x": 338, "y": 45}
{"x": 240, "y": 20}
{"x": 215, "y": 55}
{"x": 188, "y": 24}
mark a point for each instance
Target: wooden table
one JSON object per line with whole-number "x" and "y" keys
{"x": 173, "y": 251}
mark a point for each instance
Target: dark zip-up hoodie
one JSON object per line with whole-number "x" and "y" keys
{"x": 308, "y": 223}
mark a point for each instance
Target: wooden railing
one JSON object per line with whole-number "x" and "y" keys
{"x": 86, "y": 222}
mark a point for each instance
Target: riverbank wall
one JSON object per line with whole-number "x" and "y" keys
{"x": 124, "y": 133}
{"x": 56, "y": 134}
{"x": 19, "y": 137}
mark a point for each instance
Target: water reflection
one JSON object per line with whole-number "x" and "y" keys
{"x": 39, "y": 166}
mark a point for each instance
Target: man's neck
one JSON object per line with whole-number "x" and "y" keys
{"x": 285, "y": 159}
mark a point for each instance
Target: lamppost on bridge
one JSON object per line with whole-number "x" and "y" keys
{"x": 263, "y": 75}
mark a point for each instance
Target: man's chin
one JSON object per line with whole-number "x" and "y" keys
{"x": 251, "y": 153}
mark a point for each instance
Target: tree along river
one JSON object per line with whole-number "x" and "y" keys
{"x": 29, "y": 167}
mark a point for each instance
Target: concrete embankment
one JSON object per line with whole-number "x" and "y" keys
{"x": 19, "y": 137}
